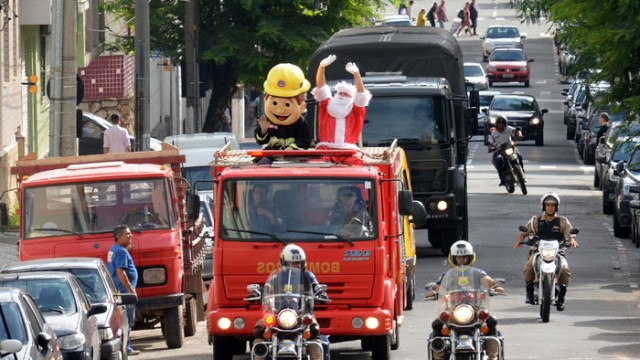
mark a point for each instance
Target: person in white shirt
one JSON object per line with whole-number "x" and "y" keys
{"x": 503, "y": 134}
{"x": 116, "y": 138}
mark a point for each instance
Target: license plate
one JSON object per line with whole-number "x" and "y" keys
{"x": 507, "y": 76}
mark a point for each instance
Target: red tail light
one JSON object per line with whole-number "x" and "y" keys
{"x": 483, "y": 314}
{"x": 444, "y": 316}
{"x": 307, "y": 320}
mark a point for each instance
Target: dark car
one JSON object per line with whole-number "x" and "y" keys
{"x": 521, "y": 111}
{"x": 509, "y": 65}
{"x": 629, "y": 176}
{"x": 93, "y": 128}
{"x": 97, "y": 284}
{"x": 569, "y": 93}
{"x": 65, "y": 307}
{"x": 589, "y": 130}
{"x": 24, "y": 332}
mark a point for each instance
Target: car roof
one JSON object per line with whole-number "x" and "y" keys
{"x": 36, "y": 275}
{"x": 53, "y": 263}
{"x": 502, "y": 26}
{"x": 472, "y": 63}
{"x": 508, "y": 49}
{"x": 100, "y": 120}
{"x": 489, "y": 92}
{"x": 515, "y": 96}
{"x": 10, "y": 294}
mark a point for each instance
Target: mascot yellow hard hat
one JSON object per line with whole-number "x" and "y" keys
{"x": 286, "y": 80}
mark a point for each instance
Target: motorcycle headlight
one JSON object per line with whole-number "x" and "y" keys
{"x": 508, "y": 151}
{"x": 548, "y": 254}
{"x": 463, "y": 314}
{"x": 534, "y": 121}
{"x": 70, "y": 342}
{"x": 287, "y": 319}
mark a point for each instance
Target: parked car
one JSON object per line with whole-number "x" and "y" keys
{"x": 629, "y": 176}
{"x": 589, "y": 131}
{"x": 521, "y": 111}
{"x": 574, "y": 106}
{"x": 25, "y": 334}
{"x": 569, "y": 93}
{"x": 566, "y": 59}
{"x": 582, "y": 102}
{"x": 65, "y": 306}
{"x": 509, "y": 65}
{"x": 635, "y": 218}
{"x": 486, "y": 96}
{"x": 501, "y": 36}
{"x": 397, "y": 20}
{"x": 93, "y": 128}
{"x": 474, "y": 74}
{"x": 98, "y": 286}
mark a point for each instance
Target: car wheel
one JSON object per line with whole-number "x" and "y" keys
{"x": 607, "y": 207}
{"x": 619, "y": 231}
{"x": 526, "y": 84}
{"x": 596, "y": 180}
{"x": 540, "y": 140}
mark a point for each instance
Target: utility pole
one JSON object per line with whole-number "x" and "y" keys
{"x": 193, "y": 122}
{"x": 143, "y": 121}
{"x": 62, "y": 120}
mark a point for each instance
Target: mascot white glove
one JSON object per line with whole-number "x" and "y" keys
{"x": 352, "y": 68}
{"x": 328, "y": 60}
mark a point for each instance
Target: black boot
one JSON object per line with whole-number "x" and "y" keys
{"x": 562, "y": 291}
{"x": 530, "y": 299}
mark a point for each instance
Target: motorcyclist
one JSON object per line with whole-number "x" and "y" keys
{"x": 293, "y": 256}
{"x": 501, "y": 134}
{"x": 549, "y": 225}
{"x": 461, "y": 258}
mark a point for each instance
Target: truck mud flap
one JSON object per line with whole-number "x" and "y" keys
{"x": 160, "y": 302}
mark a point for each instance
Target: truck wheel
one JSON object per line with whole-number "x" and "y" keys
{"x": 174, "y": 327}
{"x": 190, "y": 317}
{"x": 395, "y": 338}
{"x": 380, "y": 347}
{"x": 366, "y": 344}
{"x": 222, "y": 350}
{"x": 411, "y": 288}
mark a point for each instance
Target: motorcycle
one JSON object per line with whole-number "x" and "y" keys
{"x": 464, "y": 304}
{"x": 545, "y": 255}
{"x": 512, "y": 172}
{"x": 288, "y": 320}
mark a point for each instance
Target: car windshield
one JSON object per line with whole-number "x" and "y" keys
{"x": 507, "y": 55}
{"x": 622, "y": 150}
{"x": 92, "y": 284}
{"x": 512, "y": 104}
{"x": 309, "y": 209}
{"x": 12, "y": 325}
{"x": 502, "y": 33}
{"x": 82, "y": 208}
{"x": 53, "y": 296}
{"x": 485, "y": 100}
{"x": 472, "y": 71}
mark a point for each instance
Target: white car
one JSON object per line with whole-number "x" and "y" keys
{"x": 397, "y": 20}
{"x": 501, "y": 36}
{"x": 485, "y": 101}
{"x": 474, "y": 74}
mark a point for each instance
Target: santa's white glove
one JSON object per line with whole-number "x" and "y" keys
{"x": 328, "y": 60}
{"x": 352, "y": 68}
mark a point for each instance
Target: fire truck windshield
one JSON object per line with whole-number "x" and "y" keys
{"x": 85, "y": 208}
{"x": 298, "y": 209}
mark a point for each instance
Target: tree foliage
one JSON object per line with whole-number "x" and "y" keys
{"x": 604, "y": 34}
{"x": 241, "y": 40}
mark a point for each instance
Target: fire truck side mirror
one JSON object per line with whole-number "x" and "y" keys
{"x": 419, "y": 213}
{"x": 193, "y": 205}
{"x": 405, "y": 199}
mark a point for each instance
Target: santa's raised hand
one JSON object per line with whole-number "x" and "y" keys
{"x": 328, "y": 60}
{"x": 352, "y": 68}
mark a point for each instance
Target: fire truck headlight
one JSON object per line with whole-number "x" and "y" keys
{"x": 224, "y": 323}
{"x": 154, "y": 276}
{"x": 372, "y": 323}
{"x": 357, "y": 323}
{"x": 238, "y": 323}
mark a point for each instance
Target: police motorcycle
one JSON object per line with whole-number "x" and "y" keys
{"x": 464, "y": 311}
{"x": 289, "y": 329}
{"x": 545, "y": 255}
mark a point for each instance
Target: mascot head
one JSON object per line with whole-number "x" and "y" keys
{"x": 284, "y": 94}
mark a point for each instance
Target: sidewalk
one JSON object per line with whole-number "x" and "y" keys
{"x": 8, "y": 246}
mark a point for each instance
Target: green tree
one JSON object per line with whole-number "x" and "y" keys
{"x": 604, "y": 34}
{"x": 241, "y": 40}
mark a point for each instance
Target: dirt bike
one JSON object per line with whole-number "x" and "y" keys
{"x": 288, "y": 329}
{"x": 512, "y": 173}
{"x": 545, "y": 254}
{"x": 464, "y": 304}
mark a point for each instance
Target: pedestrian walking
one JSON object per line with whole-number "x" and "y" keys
{"x": 473, "y": 15}
{"x": 441, "y": 14}
{"x": 431, "y": 15}
{"x": 422, "y": 18}
{"x": 116, "y": 138}
{"x": 466, "y": 22}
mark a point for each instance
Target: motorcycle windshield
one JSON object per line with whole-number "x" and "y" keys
{"x": 287, "y": 288}
{"x": 462, "y": 285}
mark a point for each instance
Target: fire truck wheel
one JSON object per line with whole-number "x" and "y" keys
{"x": 190, "y": 317}
{"x": 411, "y": 288}
{"x": 395, "y": 338}
{"x": 221, "y": 348}
{"x": 381, "y": 347}
{"x": 174, "y": 327}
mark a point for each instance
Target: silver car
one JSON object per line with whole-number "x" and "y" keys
{"x": 501, "y": 36}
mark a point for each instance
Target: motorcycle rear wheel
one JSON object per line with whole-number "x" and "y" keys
{"x": 520, "y": 177}
{"x": 545, "y": 304}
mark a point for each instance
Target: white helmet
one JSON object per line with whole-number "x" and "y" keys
{"x": 293, "y": 254}
{"x": 550, "y": 198}
{"x": 462, "y": 248}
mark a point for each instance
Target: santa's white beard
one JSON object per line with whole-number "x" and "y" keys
{"x": 339, "y": 107}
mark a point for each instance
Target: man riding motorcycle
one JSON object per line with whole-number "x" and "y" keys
{"x": 293, "y": 256}
{"x": 502, "y": 134}
{"x": 461, "y": 258}
{"x": 549, "y": 225}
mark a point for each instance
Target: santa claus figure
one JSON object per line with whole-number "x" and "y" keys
{"x": 341, "y": 117}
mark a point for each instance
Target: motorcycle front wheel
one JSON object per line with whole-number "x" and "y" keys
{"x": 520, "y": 177}
{"x": 511, "y": 188}
{"x": 545, "y": 304}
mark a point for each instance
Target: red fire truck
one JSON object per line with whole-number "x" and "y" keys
{"x": 362, "y": 262}
{"x": 69, "y": 207}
